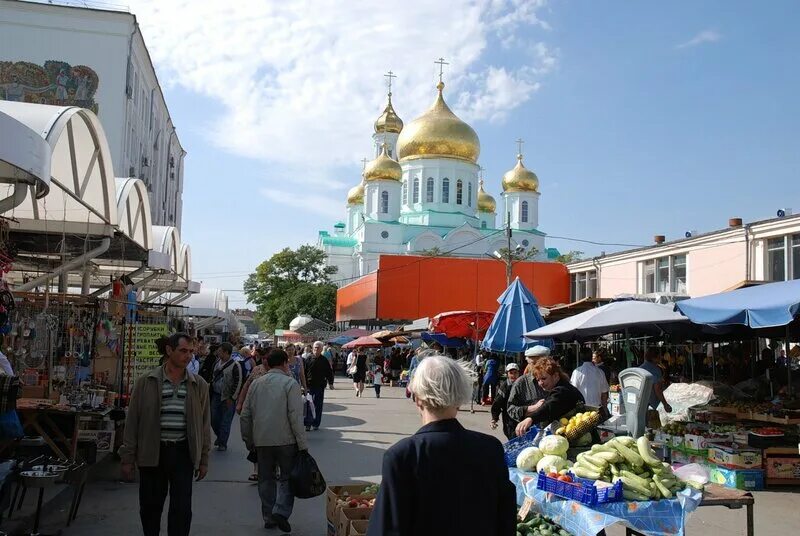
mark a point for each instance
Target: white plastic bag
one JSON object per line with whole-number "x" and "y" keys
{"x": 693, "y": 472}
{"x": 312, "y": 414}
{"x": 682, "y": 396}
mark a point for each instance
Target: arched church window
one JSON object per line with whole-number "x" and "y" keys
{"x": 416, "y": 190}
{"x": 445, "y": 190}
{"x": 405, "y": 192}
{"x": 459, "y": 192}
{"x": 429, "y": 190}
{"x": 469, "y": 194}
{"x": 384, "y": 202}
{"x": 483, "y": 225}
{"x": 523, "y": 212}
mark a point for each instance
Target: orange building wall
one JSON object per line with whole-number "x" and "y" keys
{"x": 408, "y": 287}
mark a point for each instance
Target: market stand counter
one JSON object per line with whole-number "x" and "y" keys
{"x": 651, "y": 518}
{"x": 39, "y": 417}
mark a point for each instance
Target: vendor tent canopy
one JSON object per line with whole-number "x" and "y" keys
{"x": 24, "y": 161}
{"x": 637, "y": 317}
{"x": 442, "y": 339}
{"x": 307, "y": 324}
{"x": 364, "y": 342}
{"x": 420, "y": 324}
{"x": 355, "y": 333}
{"x": 467, "y": 324}
{"x": 340, "y": 340}
{"x": 518, "y": 314}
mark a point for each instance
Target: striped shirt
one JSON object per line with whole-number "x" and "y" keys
{"x": 173, "y": 410}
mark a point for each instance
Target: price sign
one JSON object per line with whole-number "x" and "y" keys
{"x": 525, "y": 509}
{"x": 143, "y": 351}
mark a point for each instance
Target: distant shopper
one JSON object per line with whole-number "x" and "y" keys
{"x": 208, "y": 364}
{"x": 318, "y": 376}
{"x": 651, "y": 360}
{"x": 259, "y": 370}
{"x": 419, "y": 471}
{"x": 377, "y": 381}
{"x": 226, "y": 384}
{"x": 167, "y": 436}
{"x": 526, "y": 394}
{"x": 271, "y": 425}
{"x": 590, "y": 381}
{"x": 297, "y": 369}
{"x": 599, "y": 359}
{"x": 500, "y": 402}
{"x": 360, "y": 375}
{"x": 491, "y": 377}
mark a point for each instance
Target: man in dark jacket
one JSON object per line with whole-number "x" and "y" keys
{"x": 500, "y": 402}
{"x": 319, "y": 374}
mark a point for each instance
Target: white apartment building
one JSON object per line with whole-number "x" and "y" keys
{"x": 96, "y": 58}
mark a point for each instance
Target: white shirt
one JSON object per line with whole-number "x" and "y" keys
{"x": 351, "y": 357}
{"x": 377, "y": 378}
{"x": 591, "y": 382}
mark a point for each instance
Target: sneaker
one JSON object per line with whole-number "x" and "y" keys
{"x": 282, "y": 523}
{"x": 270, "y": 524}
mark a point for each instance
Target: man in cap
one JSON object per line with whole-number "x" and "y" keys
{"x": 500, "y": 402}
{"x": 526, "y": 395}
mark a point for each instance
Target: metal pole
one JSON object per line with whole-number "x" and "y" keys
{"x": 508, "y": 250}
{"x": 788, "y": 364}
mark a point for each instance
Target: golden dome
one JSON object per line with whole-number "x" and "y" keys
{"x": 438, "y": 133}
{"x": 486, "y": 202}
{"x": 356, "y": 195}
{"x": 520, "y": 179}
{"x": 383, "y": 168}
{"x": 388, "y": 120}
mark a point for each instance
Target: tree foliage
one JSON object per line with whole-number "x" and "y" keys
{"x": 571, "y": 256}
{"x": 289, "y": 283}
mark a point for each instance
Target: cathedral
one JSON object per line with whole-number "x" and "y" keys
{"x": 422, "y": 194}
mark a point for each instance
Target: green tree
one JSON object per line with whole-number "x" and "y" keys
{"x": 289, "y": 283}
{"x": 571, "y": 256}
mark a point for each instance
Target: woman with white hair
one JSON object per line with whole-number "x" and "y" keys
{"x": 430, "y": 477}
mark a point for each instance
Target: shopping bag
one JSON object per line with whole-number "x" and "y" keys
{"x": 310, "y": 409}
{"x": 306, "y": 480}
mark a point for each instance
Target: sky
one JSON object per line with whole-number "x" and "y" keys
{"x": 639, "y": 118}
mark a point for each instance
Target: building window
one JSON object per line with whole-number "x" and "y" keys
{"x": 416, "y": 190}
{"x": 459, "y": 192}
{"x": 583, "y": 285}
{"x": 523, "y": 212}
{"x": 469, "y": 194}
{"x": 429, "y": 190}
{"x": 384, "y": 202}
{"x": 796, "y": 256}
{"x": 483, "y": 225}
{"x": 445, "y": 190}
{"x": 678, "y": 280}
{"x": 649, "y": 283}
{"x": 405, "y": 192}
{"x": 664, "y": 275}
{"x": 776, "y": 259}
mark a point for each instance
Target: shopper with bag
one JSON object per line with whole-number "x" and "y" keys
{"x": 319, "y": 375}
{"x": 271, "y": 425}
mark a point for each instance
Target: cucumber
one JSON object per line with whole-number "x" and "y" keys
{"x": 646, "y": 452}
{"x": 633, "y": 458}
{"x": 633, "y": 496}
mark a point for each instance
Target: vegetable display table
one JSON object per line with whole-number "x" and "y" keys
{"x": 654, "y": 518}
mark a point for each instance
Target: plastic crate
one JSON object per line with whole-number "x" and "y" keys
{"x": 580, "y": 489}
{"x": 514, "y": 446}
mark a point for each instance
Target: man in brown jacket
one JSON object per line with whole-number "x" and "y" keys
{"x": 168, "y": 436}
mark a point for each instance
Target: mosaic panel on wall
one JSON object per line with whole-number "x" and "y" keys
{"x": 57, "y": 83}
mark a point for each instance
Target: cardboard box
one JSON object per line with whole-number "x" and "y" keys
{"x": 744, "y": 479}
{"x": 333, "y": 493}
{"x": 104, "y": 439}
{"x": 359, "y": 527}
{"x": 695, "y": 443}
{"x": 734, "y": 456}
{"x": 783, "y": 467}
{"x": 684, "y": 458}
{"x": 347, "y": 515}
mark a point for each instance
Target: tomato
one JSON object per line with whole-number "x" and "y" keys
{"x": 552, "y": 475}
{"x": 565, "y": 478}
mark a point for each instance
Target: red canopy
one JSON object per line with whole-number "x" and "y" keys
{"x": 464, "y": 324}
{"x": 364, "y": 342}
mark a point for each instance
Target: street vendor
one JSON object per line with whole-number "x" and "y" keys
{"x": 525, "y": 392}
{"x": 560, "y": 399}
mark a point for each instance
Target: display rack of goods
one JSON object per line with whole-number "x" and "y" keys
{"x": 539, "y": 525}
{"x": 585, "y": 491}
{"x": 734, "y": 456}
{"x": 765, "y": 437}
{"x": 783, "y": 466}
{"x": 338, "y": 497}
{"x": 513, "y": 447}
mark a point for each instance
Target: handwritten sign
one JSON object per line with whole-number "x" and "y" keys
{"x": 525, "y": 508}
{"x": 142, "y": 354}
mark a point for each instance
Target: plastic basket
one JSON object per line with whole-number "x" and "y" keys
{"x": 514, "y": 446}
{"x": 580, "y": 489}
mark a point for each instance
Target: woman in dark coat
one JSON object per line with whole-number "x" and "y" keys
{"x": 561, "y": 398}
{"x": 433, "y": 480}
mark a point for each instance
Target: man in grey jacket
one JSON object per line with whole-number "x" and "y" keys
{"x": 225, "y": 386}
{"x": 272, "y": 425}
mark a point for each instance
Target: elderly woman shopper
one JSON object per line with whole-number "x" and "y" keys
{"x": 560, "y": 399}
{"x": 431, "y": 477}
{"x": 525, "y": 392}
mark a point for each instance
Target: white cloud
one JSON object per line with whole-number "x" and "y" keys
{"x": 706, "y": 36}
{"x": 301, "y": 82}
{"x": 317, "y": 204}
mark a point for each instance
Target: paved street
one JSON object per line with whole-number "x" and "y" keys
{"x": 349, "y": 447}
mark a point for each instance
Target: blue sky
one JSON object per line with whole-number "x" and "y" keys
{"x": 640, "y": 118}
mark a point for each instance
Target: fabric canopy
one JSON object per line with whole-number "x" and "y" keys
{"x": 467, "y": 324}
{"x": 639, "y": 317}
{"x": 518, "y": 314}
{"x": 364, "y": 342}
{"x": 763, "y": 306}
{"x": 443, "y": 339}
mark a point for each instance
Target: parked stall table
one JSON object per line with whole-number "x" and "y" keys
{"x": 37, "y": 419}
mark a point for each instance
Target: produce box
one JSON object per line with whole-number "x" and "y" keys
{"x": 787, "y": 468}
{"x": 358, "y": 527}
{"x": 695, "y": 444}
{"x": 347, "y": 515}
{"x": 334, "y": 493}
{"x": 734, "y": 456}
{"x": 744, "y": 479}
{"x": 683, "y": 458}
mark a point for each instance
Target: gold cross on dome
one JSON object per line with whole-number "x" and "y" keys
{"x": 389, "y": 76}
{"x": 520, "y": 141}
{"x": 481, "y": 169}
{"x": 364, "y": 164}
{"x": 441, "y": 63}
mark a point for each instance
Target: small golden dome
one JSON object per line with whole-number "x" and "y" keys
{"x": 438, "y": 133}
{"x": 383, "y": 168}
{"x": 388, "y": 122}
{"x": 356, "y": 195}
{"x": 520, "y": 179}
{"x": 486, "y": 202}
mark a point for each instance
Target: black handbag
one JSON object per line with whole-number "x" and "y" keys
{"x": 306, "y": 480}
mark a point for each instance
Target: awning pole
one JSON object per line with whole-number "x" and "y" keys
{"x": 789, "y": 363}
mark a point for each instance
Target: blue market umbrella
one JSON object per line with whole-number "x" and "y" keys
{"x": 518, "y": 314}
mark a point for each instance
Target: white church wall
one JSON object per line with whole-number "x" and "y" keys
{"x": 513, "y": 204}
{"x": 443, "y": 195}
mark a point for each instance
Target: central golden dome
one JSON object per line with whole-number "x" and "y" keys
{"x": 438, "y": 133}
{"x": 486, "y": 202}
{"x": 383, "y": 168}
{"x": 388, "y": 122}
{"x": 520, "y": 179}
{"x": 356, "y": 195}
